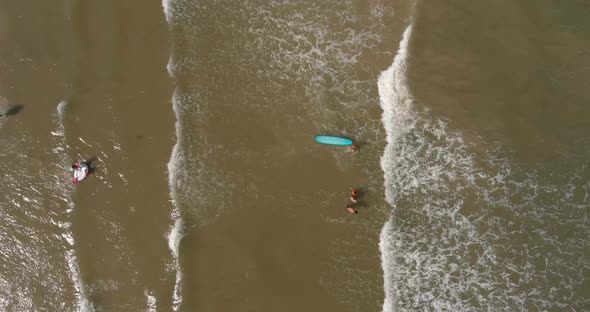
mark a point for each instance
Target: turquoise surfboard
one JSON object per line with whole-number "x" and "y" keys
{"x": 333, "y": 140}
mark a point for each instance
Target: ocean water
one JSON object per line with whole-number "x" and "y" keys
{"x": 471, "y": 229}
{"x": 210, "y": 194}
{"x": 98, "y": 245}
{"x": 249, "y": 75}
{"x": 37, "y": 235}
{"x": 472, "y": 222}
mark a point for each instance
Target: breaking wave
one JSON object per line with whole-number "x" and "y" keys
{"x": 470, "y": 229}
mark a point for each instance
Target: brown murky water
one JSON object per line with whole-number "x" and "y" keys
{"x": 209, "y": 193}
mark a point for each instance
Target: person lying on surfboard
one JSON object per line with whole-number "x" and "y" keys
{"x": 80, "y": 171}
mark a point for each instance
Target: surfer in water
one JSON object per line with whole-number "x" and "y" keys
{"x": 353, "y": 149}
{"x": 80, "y": 171}
{"x": 353, "y": 196}
{"x": 351, "y": 210}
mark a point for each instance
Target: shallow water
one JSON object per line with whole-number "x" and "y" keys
{"x": 210, "y": 193}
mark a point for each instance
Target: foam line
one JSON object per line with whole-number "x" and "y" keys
{"x": 177, "y": 231}
{"x": 84, "y": 304}
{"x": 396, "y": 102}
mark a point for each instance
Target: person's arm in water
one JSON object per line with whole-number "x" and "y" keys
{"x": 351, "y": 210}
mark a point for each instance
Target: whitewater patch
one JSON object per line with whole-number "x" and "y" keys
{"x": 174, "y": 172}
{"x": 470, "y": 230}
{"x": 281, "y": 53}
{"x": 316, "y": 52}
{"x": 174, "y": 238}
{"x": 397, "y": 118}
{"x": 150, "y": 301}
{"x": 84, "y": 304}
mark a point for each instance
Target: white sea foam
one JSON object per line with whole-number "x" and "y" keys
{"x": 177, "y": 295}
{"x": 174, "y": 169}
{"x": 177, "y": 10}
{"x": 150, "y": 301}
{"x": 167, "y": 6}
{"x": 396, "y": 102}
{"x": 175, "y": 236}
{"x": 387, "y": 261}
{"x": 175, "y": 181}
{"x": 84, "y": 304}
{"x": 177, "y": 231}
{"x": 86, "y": 143}
{"x": 316, "y": 48}
{"x": 471, "y": 231}
{"x": 61, "y": 109}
